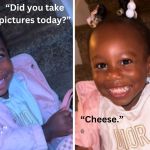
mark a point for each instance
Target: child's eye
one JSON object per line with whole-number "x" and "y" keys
{"x": 126, "y": 61}
{"x": 2, "y": 55}
{"x": 101, "y": 66}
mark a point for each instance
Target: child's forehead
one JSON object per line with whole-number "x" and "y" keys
{"x": 110, "y": 31}
{"x": 116, "y": 35}
{"x": 115, "y": 29}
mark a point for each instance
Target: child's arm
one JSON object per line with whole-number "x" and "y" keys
{"x": 58, "y": 125}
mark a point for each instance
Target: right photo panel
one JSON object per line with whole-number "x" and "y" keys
{"x": 112, "y": 75}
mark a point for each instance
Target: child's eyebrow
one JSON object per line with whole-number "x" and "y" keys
{"x": 96, "y": 57}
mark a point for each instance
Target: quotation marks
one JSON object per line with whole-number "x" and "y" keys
{"x": 93, "y": 119}
{"x": 120, "y": 117}
{"x": 65, "y": 18}
{"x": 82, "y": 117}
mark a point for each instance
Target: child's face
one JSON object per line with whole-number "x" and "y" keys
{"x": 119, "y": 63}
{"x": 6, "y": 70}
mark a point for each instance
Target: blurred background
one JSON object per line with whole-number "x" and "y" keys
{"x": 49, "y": 44}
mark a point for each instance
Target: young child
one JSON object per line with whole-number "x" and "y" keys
{"x": 120, "y": 60}
{"x": 29, "y": 109}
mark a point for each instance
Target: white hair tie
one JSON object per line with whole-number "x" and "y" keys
{"x": 131, "y": 12}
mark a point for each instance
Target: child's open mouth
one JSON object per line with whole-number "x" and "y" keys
{"x": 119, "y": 92}
{"x": 2, "y": 83}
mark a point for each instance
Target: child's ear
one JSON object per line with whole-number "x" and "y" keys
{"x": 148, "y": 66}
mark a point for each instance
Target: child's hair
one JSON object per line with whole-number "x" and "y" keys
{"x": 138, "y": 25}
{"x": 4, "y": 41}
{"x": 3, "y": 38}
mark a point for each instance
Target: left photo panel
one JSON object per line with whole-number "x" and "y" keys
{"x": 36, "y": 75}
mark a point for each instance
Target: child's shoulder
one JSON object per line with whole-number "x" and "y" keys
{"x": 88, "y": 95}
{"x": 21, "y": 60}
{"x": 25, "y": 65}
{"x": 22, "y": 57}
{"x": 88, "y": 105}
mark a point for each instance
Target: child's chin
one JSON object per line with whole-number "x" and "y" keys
{"x": 120, "y": 102}
{"x": 4, "y": 94}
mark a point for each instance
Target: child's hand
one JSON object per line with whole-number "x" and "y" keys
{"x": 59, "y": 124}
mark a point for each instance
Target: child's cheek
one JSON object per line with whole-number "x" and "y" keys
{"x": 99, "y": 77}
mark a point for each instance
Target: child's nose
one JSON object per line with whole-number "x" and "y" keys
{"x": 114, "y": 74}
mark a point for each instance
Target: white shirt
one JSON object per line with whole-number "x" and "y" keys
{"x": 132, "y": 131}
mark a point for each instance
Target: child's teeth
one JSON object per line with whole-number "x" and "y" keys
{"x": 119, "y": 90}
{"x": 1, "y": 81}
